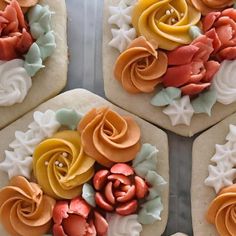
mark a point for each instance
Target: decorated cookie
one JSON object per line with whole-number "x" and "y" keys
{"x": 172, "y": 60}
{"x": 33, "y": 50}
{"x": 213, "y": 180}
{"x": 78, "y": 165}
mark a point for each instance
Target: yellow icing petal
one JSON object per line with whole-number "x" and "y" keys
{"x": 61, "y": 166}
{"x": 167, "y": 22}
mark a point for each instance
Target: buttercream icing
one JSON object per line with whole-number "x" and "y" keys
{"x": 221, "y": 211}
{"x": 123, "y": 225}
{"x": 108, "y": 137}
{"x": 231, "y": 137}
{"x": 141, "y": 66}
{"x": 167, "y": 22}
{"x": 206, "y": 6}
{"x": 130, "y": 2}
{"x": 224, "y": 82}
{"x": 180, "y": 111}
{"x": 24, "y": 209}
{"x": 61, "y": 166}
{"x": 23, "y": 3}
{"x": 121, "y": 38}
{"x": 195, "y": 31}
{"x": 16, "y": 164}
{"x": 88, "y": 194}
{"x": 14, "y": 82}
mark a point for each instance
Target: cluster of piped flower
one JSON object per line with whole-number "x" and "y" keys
{"x": 74, "y": 174}
{"x": 221, "y": 211}
{"x": 184, "y": 51}
{"x": 26, "y": 40}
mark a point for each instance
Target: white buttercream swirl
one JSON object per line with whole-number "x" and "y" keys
{"x": 224, "y": 82}
{"x": 14, "y": 82}
{"x": 123, "y": 225}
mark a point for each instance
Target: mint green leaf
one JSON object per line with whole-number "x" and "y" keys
{"x": 88, "y": 194}
{"x": 166, "y": 96}
{"x": 195, "y": 31}
{"x": 68, "y": 117}
{"x": 150, "y": 211}
{"x": 204, "y": 102}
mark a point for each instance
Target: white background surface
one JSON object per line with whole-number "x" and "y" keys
{"x": 85, "y": 71}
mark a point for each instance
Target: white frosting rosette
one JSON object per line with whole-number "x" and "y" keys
{"x": 224, "y": 82}
{"x": 14, "y": 82}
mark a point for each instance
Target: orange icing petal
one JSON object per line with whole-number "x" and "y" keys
{"x": 23, "y": 3}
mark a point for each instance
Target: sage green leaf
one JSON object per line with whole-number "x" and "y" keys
{"x": 195, "y": 32}
{"x": 166, "y": 96}
{"x": 88, "y": 194}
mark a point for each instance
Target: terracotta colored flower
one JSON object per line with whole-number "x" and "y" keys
{"x": 222, "y": 211}
{"x": 189, "y": 67}
{"x": 140, "y": 67}
{"x": 15, "y": 39}
{"x": 207, "y": 6}
{"x": 221, "y": 28}
{"x": 24, "y": 209}
{"x": 119, "y": 189}
{"x": 77, "y": 218}
{"x": 108, "y": 137}
{"x": 24, "y": 4}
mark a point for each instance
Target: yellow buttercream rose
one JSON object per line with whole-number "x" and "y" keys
{"x": 167, "y": 22}
{"x": 61, "y": 166}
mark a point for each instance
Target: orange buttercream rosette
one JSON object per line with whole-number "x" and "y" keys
{"x": 108, "y": 137}
{"x": 222, "y": 211}
{"x": 24, "y": 209}
{"x": 25, "y": 4}
{"x": 140, "y": 67}
{"x": 207, "y": 6}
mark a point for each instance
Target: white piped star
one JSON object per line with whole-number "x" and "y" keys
{"x": 16, "y": 165}
{"x": 220, "y": 177}
{"x": 120, "y": 15}
{"x": 122, "y": 38}
{"x": 232, "y": 134}
{"x": 129, "y": 2}
{"x": 180, "y": 111}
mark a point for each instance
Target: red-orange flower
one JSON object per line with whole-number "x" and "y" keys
{"x": 15, "y": 39}
{"x": 119, "y": 189}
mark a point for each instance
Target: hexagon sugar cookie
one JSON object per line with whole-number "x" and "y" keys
{"x": 78, "y": 158}
{"x": 169, "y": 62}
{"x": 33, "y": 55}
{"x": 213, "y": 180}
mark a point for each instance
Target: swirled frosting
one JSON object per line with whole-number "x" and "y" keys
{"x": 222, "y": 210}
{"x": 108, "y": 137}
{"x": 24, "y": 209}
{"x": 14, "y": 82}
{"x": 224, "y": 82}
{"x": 141, "y": 66}
{"x": 167, "y": 22}
{"x": 206, "y": 6}
{"x": 61, "y": 166}
{"x": 23, "y": 3}
{"x": 123, "y": 225}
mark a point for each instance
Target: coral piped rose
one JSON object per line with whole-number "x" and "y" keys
{"x": 207, "y": 6}
{"x": 189, "y": 68}
{"x": 108, "y": 137}
{"x": 15, "y": 39}
{"x": 167, "y": 22}
{"x": 119, "y": 189}
{"x": 77, "y": 218}
{"x": 222, "y": 210}
{"x": 24, "y": 209}
{"x": 25, "y": 4}
{"x": 140, "y": 67}
{"x": 60, "y": 165}
{"x": 221, "y": 28}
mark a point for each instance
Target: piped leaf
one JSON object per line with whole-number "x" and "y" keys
{"x": 88, "y": 194}
{"x": 204, "y": 102}
{"x": 166, "y": 96}
{"x": 195, "y": 31}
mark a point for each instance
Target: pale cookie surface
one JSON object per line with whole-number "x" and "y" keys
{"x": 50, "y": 80}
{"x": 139, "y": 104}
{"x": 202, "y": 195}
{"x": 83, "y": 101}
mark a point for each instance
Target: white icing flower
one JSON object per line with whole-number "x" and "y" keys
{"x": 45, "y": 123}
{"x": 129, "y": 2}
{"x": 224, "y": 82}
{"x": 122, "y": 38}
{"x": 120, "y": 15}
{"x": 14, "y": 164}
{"x": 14, "y": 82}
{"x": 231, "y": 137}
{"x": 219, "y": 177}
{"x": 180, "y": 111}
{"x": 25, "y": 143}
{"x": 123, "y": 225}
